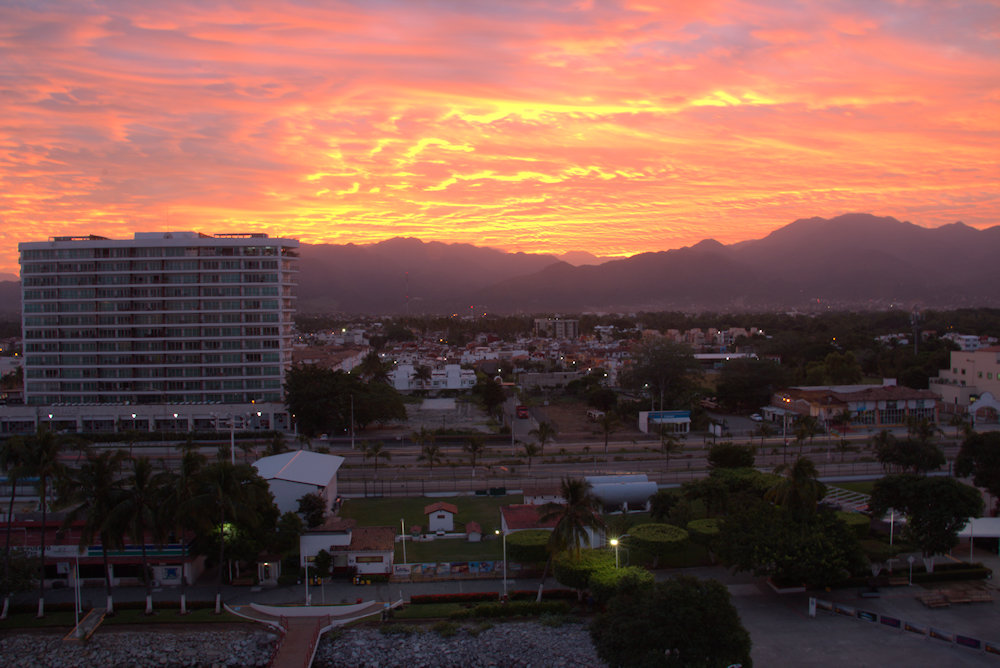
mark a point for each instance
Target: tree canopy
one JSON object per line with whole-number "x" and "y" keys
{"x": 666, "y": 370}
{"x": 980, "y": 458}
{"x": 321, "y": 400}
{"x": 937, "y": 508}
{"x": 681, "y": 622}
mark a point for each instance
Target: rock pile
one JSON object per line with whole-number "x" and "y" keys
{"x": 229, "y": 648}
{"x": 508, "y": 645}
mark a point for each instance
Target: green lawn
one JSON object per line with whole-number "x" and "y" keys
{"x": 861, "y": 486}
{"x": 387, "y": 511}
{"x": 450, "y": 550}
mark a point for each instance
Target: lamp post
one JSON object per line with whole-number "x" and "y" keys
{"x": 402, "y": 537}
{"x": 504, "y": 534}
{"x": 614, "y": 544}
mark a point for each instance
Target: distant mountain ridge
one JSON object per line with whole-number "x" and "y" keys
{"x": 854, "y": 261}
{"x": 851, "y": 261}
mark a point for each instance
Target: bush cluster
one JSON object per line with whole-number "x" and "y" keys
{"x": 513, "y": 609}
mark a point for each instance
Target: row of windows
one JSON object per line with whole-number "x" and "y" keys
{"x": 146, "y": 386}
{"x": 145, "y": 279}
{"x": 150, "y": 319}
{"x": 150, "y": 333}
{"x": 146, "y": 293}
{"x": 43, "y": 360}
{"x": 155, "y": 398}
{"x": 146, "y": 265}
{"x": 34, "y": 254}
{"x": 63, "y": 373}
{"x": 152, "y": 306}
{"x": 31, "y": 349}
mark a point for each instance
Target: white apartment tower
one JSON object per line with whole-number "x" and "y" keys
{"x": 163, "y": 318}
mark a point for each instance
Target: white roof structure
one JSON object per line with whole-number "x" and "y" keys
{"x": 304, "y": 466}
{"x": 981, "y": 527}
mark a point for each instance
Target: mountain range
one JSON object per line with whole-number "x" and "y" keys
{"x": 854, "y": 261}
{"x": 851, "y": 261}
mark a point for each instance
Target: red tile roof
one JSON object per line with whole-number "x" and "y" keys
{"x": 524, "y": 516}
{"x": 370, "y": 539}
{"x": 441, "y": 505}
{"x": 473, "y": 527}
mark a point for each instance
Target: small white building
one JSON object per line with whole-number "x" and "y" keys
{"x": 441, "y": 517}
{"x": 292, "y": 475}
{"x": 357, "y": 550}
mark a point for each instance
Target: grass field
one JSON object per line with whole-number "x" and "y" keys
{"x": 388, "y": 511}
{"x": 489, "y": 549}
{"x": 861, "y": 486}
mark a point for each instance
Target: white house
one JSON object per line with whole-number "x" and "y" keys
{"x": 359, "y": 550}
{"x": 292, "y": 475}
{"x": 440, "y": 516}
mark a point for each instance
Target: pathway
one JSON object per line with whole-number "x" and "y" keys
{"x": 302, "y": 626}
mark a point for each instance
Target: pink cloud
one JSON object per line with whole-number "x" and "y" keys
{"x": 611, "y": 127}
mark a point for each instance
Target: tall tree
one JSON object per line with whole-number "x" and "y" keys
{"x": 669, "y": 444}
{"x": 90, "y": 493}
{"x": 376, "y": 451}
{"x": 666, "y": 370}
{"x": 138, "y": 513}
{"x": 543, "y": 433}
{"x": 42, "y": 461}
{"x": 178, "y": 487}
{"x": 531, "y": 450}
{"x": 430, "y": 452}
{"x": 608, "y": 424}
{"x": 681, "y": 622}
{"x": 229, "y": 499}
{"x": 573, "y": 518}
{"x": 423, "y": 375}
{"x": 13, "y": 456}
{"x": 800, "y": 491}
{"x": 937, "y": 508}
{"x": 980, "y": 458}
{"x": 373, "y": 368}
{"x": 474, "y": 446}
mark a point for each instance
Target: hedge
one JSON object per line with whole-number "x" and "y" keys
{"x": 474, "y": 597}
{"x": 513, "y": 609}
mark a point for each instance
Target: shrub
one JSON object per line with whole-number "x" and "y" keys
{"x": 514, "y": 609}
{"x": 575, "y": 573}
{"x": 446, "y": 629}
{"x": 528, "y": 547}
{"x": 609, "y": 582}
{"x": 656, "y": 541}
{"x": 859, "y": 523}
{"x": 471, "y": 597}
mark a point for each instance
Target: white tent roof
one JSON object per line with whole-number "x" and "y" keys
{"x": 981, "y": 527}
{"x": 303, "y": 466}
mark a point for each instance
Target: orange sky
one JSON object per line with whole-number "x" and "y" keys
{"x": 611, "y": 127}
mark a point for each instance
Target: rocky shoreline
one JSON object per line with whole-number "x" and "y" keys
{"x": 447, "y": 645}
{"x": 504, "y": 645}
{"x": 127, "y": 649}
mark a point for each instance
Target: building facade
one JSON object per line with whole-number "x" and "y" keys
{"x": 163, "y": 318}
{"x": 970, "y": 375}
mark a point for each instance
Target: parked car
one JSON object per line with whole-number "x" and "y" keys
{"x": 756, "y": 417}
{"x": 522, "y": 413}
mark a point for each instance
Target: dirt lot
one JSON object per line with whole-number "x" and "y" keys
{"x": 570, "y": 419}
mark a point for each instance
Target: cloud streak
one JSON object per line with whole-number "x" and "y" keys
{"x": 613, "y": 127}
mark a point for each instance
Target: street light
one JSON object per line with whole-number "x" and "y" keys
{"x": 497, "y": 532}
{"x": 614, "y": 544}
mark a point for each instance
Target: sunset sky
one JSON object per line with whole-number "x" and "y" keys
{"x": 538, "y": 126}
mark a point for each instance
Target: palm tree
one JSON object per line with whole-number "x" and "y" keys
{"x": 42, "y": 461}
{"x": 573, "y": 518}
{"x": 531, "y": 450}
{"x": 431, "y": 453}
{"x": 137, "y": 513}
{"x": 223, "y": 496}
{"x": 178, "y": 487}
{"x": 608, "y": 423}
{"x": 764, "y": 429}
{"x": 805, "y": 428}
{"x": 543, "y": 433}
{"x": 376, "y": 450}
{"x": 959, "y": 422}
{"x": 423, "y": 374}
{"x": 800, "y": 491}
{"x": 12, "y": 459}
{"x": 373, "y": 369}
{"x": 475, "y": 447}
{"x": 669, "y": 444}
{"x": 90, "y": 493}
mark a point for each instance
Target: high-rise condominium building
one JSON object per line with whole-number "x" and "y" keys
{"x": 164, "y": 318}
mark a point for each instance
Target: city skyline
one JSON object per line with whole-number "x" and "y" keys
{"x": 612, "y": 128}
